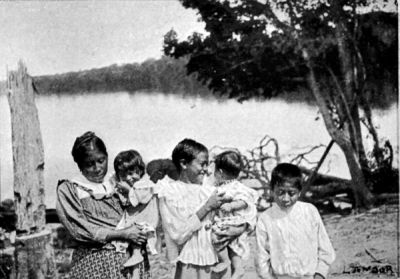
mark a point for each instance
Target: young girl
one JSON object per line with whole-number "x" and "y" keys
{"x": 184, "y": 207}
{"x": 141, "y": 208}
{"x": 241, "y": 210}
{"x": 291, "y": 238}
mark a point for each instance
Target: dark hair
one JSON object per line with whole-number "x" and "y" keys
{"x": 229, "y": 162}
{"x": 286, "y": 172}
{"x": 85, "y": 143}
{"x": 128, "y": 159}
{"x": 158, "y": 168}
{"x": 186, "y": 150}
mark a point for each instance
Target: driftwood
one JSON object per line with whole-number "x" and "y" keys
{"x": 329, "y": 190}
{"x": 387, "y": 198}
{"x": 323, "y": 179}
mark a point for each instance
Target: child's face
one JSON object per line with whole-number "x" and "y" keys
{"x": 286, "y": 195}
{"x": 94, "y": 166}
{"x": 130, "y": 175}
{"x": 197, "y": 168}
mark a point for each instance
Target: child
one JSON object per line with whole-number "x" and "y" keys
{"x": 141, "y": 207}
{"x": 291, "y": 238}
{"x": 185, "y": 207}
{"x": 241, "y": 210}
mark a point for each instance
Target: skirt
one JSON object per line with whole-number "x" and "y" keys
{"x": 105, "y": 264}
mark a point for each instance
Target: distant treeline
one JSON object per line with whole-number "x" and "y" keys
{"x": 164, "y": 75}
{"x": 168, "y": 75}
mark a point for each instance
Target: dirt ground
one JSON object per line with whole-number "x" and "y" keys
{"x": 366, "y": 245}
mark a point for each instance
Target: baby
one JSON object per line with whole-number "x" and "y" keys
{"x": 240, "y": 210}
{"x": 141, "y": 208}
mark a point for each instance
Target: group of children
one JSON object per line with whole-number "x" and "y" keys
{"x": 291, "y": 238}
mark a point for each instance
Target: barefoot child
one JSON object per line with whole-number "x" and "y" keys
{"x": 141, "y": 207}
{"x": 291, "y": 238}
{"x": 241, "y": 210}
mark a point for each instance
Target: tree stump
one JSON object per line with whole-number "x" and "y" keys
{"x": 33, "y": 254}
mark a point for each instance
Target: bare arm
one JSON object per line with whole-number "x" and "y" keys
{"x": 234, "y": 206}
{"x": 181, "y": 224}
{"x": 213, "y": 202}
{"x": 132, "y": 233}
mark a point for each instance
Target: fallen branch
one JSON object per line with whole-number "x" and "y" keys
{"x": 372, "y": 256}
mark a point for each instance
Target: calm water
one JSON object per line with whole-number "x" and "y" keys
{"x": 154, "y": 124}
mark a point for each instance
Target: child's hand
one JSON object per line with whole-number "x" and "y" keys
{"x": 214, "y": 201}
{"x": 123, "y": 187}
{"x": 135, "y": 234}
{"x": 226, "y": 208}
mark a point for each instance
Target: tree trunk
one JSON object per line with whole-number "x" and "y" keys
{"x": 34, "y": 257}
{"x": 28, "y": 153}
{"x": 362, "y": 195}
{"x": 350, "y": 93}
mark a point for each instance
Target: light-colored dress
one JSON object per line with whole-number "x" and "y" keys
{"x": 237, "y": 191}
{"x": 141, "y": 209}
{"x": 188, "y": 241}
{"x": 292, "y": 243}
{"x": 89, "y": 211}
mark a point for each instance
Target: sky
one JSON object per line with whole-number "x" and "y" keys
{"x": 60, "y": 36}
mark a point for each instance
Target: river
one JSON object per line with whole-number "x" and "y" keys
{"x": 154, "y": 123}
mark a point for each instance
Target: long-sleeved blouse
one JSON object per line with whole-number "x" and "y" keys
{"x": 292, "y": 243}
{"x": 88, "y": 212}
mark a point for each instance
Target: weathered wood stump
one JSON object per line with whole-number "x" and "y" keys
{"x": 28, "y": 155}
{"x": 33, "y": 254}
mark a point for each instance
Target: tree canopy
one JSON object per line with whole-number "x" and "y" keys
{"x": 341, "y": 50}
{"x": 250, "y": 51}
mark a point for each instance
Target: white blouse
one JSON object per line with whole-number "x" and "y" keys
{"x": 187, "y": 239}
{"x": 292, "y": 243}
{"x": 238, "y": 191}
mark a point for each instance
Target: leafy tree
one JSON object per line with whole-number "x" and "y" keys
{"x": 332, "y": 47}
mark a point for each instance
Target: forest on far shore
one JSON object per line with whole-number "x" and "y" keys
{"x": 168, "y": 75}
{"x": 379, "y": 41}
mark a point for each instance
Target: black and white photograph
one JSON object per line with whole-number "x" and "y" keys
{"x": 207, "y": 139}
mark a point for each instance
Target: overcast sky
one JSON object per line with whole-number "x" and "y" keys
{"x": 61, "y": 36}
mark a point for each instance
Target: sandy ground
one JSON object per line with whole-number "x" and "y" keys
{"x": 366, "y": 246}
{"x": 353, "y": 237}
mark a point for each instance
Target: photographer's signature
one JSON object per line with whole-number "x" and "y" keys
{"x": 375, "y": 269}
